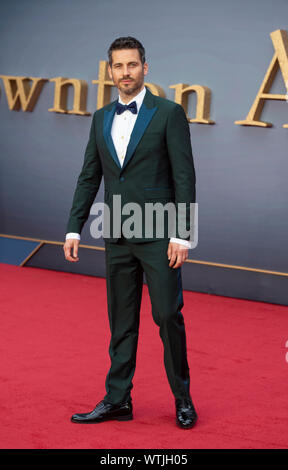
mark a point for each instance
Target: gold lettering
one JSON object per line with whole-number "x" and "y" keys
{"x": 155, "y": 89}
{"x": 182, "y": 92}
{"x": 104, "y": 85}
{"x": 279, "y": 60}
{"x": 20, "y": 94}
{"x": 60, "y": 96}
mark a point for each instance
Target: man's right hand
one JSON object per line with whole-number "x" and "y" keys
{"x": 71, "y": 249}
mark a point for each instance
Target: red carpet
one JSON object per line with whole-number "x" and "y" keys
{"x": 54, "y": 360}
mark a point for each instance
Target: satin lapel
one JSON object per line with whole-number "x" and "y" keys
{"x": 107, "y": 124}
{"x": 144, "y": 117}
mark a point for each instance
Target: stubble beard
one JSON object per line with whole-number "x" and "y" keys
{"x": 132, "y": 88}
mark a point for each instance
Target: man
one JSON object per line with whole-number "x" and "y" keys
{"x": 141, "y": 145}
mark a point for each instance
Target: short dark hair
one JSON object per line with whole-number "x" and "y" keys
{"x": 127, "y": 42}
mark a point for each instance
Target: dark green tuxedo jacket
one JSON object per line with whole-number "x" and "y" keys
{"x": 158, "y": 165}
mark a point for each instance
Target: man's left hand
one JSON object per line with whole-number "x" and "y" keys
{"x": 177, "y": 254}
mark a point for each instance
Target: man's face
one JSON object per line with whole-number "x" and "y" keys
{"x": 127, "y": 71}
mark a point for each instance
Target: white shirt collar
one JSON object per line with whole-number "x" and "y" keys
{"x": 138, "y": 98}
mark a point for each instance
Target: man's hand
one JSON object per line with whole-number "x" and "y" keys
{"x": 71, "y": 249}
{"x": 176, "y": 252}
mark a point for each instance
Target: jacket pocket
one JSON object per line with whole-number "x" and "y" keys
{"x": 158, "y": 193}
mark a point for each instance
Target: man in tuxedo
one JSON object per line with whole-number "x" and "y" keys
{"x": 141, "y": 145}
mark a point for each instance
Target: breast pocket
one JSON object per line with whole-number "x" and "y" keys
{"x": 153, "y": 140}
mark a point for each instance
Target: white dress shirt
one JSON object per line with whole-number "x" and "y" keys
{"x": 123, "y": 124}
{"x": 121, "y": 130}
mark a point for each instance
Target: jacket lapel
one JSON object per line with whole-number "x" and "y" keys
{"x": 107, "y": 124}
{"x": 143, "y": 119}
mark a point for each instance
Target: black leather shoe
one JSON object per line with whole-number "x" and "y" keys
{"x": 106, "y": 411}
{"x": 186, "y": 415}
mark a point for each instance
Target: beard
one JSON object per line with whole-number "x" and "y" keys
{"x": 130, "y": 88}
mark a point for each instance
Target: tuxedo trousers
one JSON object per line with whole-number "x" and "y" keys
{"x": 125, "y": 264}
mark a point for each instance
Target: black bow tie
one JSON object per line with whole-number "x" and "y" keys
{"x": 120, "y": 108}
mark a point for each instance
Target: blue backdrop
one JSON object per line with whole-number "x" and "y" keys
{"x": 241, "y": 171}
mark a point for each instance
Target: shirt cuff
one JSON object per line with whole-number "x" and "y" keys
{"x": 181, "y": 242}
{"x": 73, "y": 235}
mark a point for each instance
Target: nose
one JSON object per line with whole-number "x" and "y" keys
{"x": 126, "y": 70}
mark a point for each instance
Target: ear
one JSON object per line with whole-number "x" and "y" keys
{"x": 145, "y": 68}
{"x": 110, "y": 72}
